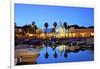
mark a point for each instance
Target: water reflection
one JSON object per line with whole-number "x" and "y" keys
{"x": 53, "y": 52}
{"x": 67, "y": 56}
{"x": 46, "y": 54}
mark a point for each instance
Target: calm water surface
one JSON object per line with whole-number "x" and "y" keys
{"x": 86, "y": 55}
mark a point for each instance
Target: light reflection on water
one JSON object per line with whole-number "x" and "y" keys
{"x": 86, "y": 55}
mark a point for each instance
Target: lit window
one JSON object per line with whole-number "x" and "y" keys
{"x": 73, "y": 34}
{"x": 30, "y": 34}
{"x": 83, "y": 34}
{"x": 92, "y": 34}
{"x": 70, "y": 35}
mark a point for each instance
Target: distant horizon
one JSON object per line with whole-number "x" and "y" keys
{"x": 52, "y": 25}
{"x": 58, "y": 26}
{"x": 26, "y": 13}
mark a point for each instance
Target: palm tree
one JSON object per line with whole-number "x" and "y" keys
{"x": 34, "y": 27}
{"x": 46, "y": 26}
{"x": 33, "y": 23}
{"x": 55, "y": 25}
{"x": 65, "y": 26}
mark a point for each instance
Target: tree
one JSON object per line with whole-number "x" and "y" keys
{"x": 34, "y": 27}
{"x": 46, "y": 26}
{"x": 33, "y": 23}
{"x": 55, "y": 25}
{"x": 26, "y": 28}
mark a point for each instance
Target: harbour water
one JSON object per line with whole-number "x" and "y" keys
{"x": 81, "y": 55}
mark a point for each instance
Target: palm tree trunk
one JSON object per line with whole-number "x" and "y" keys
{"x": 46, "y": 37}
{"x": 65, "y": 33}
{"x": 55, "y": 34}
{"x": 46, "y": 41}
{"x": 68, "y": 33}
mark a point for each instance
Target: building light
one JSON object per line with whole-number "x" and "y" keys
{"x": 66, "y": 34}
{"x": 92, "y": 34}
{"x": 70, "y": 35}
{"x": 30, "y": 35}
{"x": 20, "y": 30}
{"x": 73, "y": 34}
{"x": 42, "y": 35}
{"x": 83, "y": 34}
{"x": 27, "y": 33}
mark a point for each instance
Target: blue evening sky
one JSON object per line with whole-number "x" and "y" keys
{"x": 26, "y": 13}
